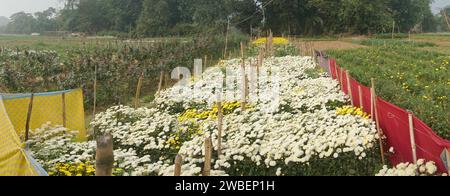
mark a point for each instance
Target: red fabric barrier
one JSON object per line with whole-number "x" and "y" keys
{"x": 344, "y": 82}
{"x": 338, "y": 74}
{"x": 355, "y": 92}
{"x": 394, "y": 123}
{"x": 332, "y": 64}
{"x": 367, "y": 99}
{"x": 429, "y": 145}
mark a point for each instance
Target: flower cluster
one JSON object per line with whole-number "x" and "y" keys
{"x": 421, "y": 168}
{"x": 350, "y": 110}
{"x": 275, "y": 40}
{"x": 302, "y": 135}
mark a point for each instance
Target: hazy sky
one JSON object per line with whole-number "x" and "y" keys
{"x": 9, "y": 7}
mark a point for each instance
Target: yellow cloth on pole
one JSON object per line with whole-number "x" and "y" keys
{"x": 47, "y": 107}
{"x": 13, "y": 161}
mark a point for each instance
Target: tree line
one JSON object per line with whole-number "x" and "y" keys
{"x": 153, "y": 18}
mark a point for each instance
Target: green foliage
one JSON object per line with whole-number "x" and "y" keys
{"x": 119, "y": 66}
{"x": 395, "y": 43}
{"x": 144, "y": 18}
{"x": 411, "y": 78}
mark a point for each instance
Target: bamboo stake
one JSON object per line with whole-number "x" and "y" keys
{"x": 138, "y": 91}
{"x": 380, "y": 133}
{"x": 393, "y": 29}
{"x": 341, "y": 80}
{"x": 337, "y": 74}
{"x": 30, "y": 110}
{"x": 208, "y": 153}
{"x": 412, "y": 136}
{"x": 226, "y": 41}
{"x": 161, "y": 77}
{"x": 242, "y": 50}
{"x": 104, "y": 158}
{"x": 64, "y": 109}
{"x": 95, "y": 92}
{"x": 178, "y": 163}
{"x": 244, "y": 97}
{"x": 361, "y": 103}
{"x": 447, "y": 154}
{"x": 166, "y": 80}
{"x": 349, "y": 88}
{"x": 219, "y": 127}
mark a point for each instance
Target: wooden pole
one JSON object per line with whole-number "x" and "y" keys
{"x": 30, "y": 110}
{"x": 375, "y": 110}
{"x": 104, "y": 158}
{"x": 336, "y": 71}
{"x": 206, "y": 62}
{"x": 208, "y": 154}
{"x": 178, "y": 163}
{"x": 138, "y": 92}
{"x": 361, "y": 103}
{"x": 393, "y": 29}
{"x": 341, "y": 80}
{"x": 242, "y": 51}
{"x": 219, "y": 127}
{"x": 161, "y": 77}
{"x": 226, "y": 41}
{"x": 95, "y": 92}
{"x": 412, "y": 136}
{"x": 349, "y": 88}
{"x": 64, "y": 109}
{"x": 243, "y": 98}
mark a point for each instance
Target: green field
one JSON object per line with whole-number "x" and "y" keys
{"x": 412, "y": 75}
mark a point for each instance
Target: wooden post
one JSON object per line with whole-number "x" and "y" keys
{"x": 219, "y": 127}
{"x": 95, "y": 92}
{"x": 349, "y": 88}
{"x": 243, "y": 98}
{"x": 166, "y": 80}
{"x": 30, "y": 110}
{"x": 393, "y": 29}
{"x": 336, "y": 71}
{"x": 104, "y": 158}
{"x": 377, "y": 120}
{"x": 206, "y": 62}
{"x": 242, "y": 50}
{"x": 161, "y": 77}
{"x": 412, "y": 136}
{"x": 361, "y": 103}
{"x": 138, "y": 92}
{"x": 208, "y": 153}
{"x": 341, "y": 80}
{"x": 226, "y": 41}
{"x": 178, "y": 163}
{"x": 64, "y": 109}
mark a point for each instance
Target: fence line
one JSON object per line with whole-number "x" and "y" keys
{"x": 411, "y": 138}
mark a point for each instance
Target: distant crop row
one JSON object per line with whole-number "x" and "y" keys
{"x": 118, "y": 67}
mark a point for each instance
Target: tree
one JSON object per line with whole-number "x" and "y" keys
{"x": 154, "y": 19}
{"x": 21, "y": 23}
{"x": 46, "y": 20}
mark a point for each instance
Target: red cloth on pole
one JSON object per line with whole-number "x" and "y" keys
{"x": 332, "y": 64}
{"x": 429, "y": 144}
{"x": 394, "y": 123}
{"x": 367, "y": 99}
{"x": 344, "y": 81}
{"x": 355, "y": 92}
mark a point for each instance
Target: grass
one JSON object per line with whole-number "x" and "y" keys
{"x": 393, "y": 42}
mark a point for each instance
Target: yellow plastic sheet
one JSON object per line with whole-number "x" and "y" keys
{"x": 48, "y": 107}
